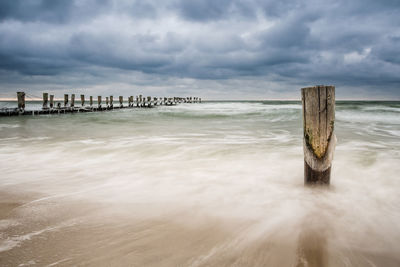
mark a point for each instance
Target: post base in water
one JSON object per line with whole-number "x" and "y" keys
{"x": 312, "y": 177}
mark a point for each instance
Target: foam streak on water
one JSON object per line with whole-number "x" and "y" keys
{"x": 217, "y": 183}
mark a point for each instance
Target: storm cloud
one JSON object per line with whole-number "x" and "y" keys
{"x": 216, "y": 49}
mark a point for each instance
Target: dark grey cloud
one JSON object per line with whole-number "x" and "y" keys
{"x": 46, "y": 10}
{"x": 286, "y": 44}
{"x": 206, "y": 10}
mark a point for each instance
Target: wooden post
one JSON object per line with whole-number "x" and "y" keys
{"x": 45, "y": 100}
{"x": 121, "y": 100}
{"x": 200, "y": 100}
{"x": 319, "y": 138}
{"x": 83, "y": 100}
{"x": 140, "y": 100}
{"x": 72, "y": 100}
{"x": 111, "y": 101}
{"x": 21, "y": 100}
{"x": 106, "y": 101}
{"x": 137, "y": 101}
{"x": 65, "y": 100}
{"x": 99, "y": 101}
{"x": 51, "y": 101}
{"x": 91, "y": 101}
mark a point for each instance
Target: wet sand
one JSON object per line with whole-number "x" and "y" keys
{"x": 217, "y": 184}
{"x": 65, "y": 233}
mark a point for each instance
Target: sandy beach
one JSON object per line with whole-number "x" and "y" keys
{"x": 216, "y": 184}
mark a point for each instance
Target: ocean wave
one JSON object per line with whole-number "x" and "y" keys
{"x": 8, "y": 126}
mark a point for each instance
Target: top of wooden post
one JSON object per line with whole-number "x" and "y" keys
{"x": 318, "y": 117}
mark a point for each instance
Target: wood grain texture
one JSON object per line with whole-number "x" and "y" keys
{"x": 51, "y": 101}
{"x": 21, "y": 100}
{"x": 72, "y": 100}
{"x": 318, "y": 117}
{"x": 316, "y": 177}
{"x": 65, "y": 100}
{"x": 121, "y": 99}
{"x": 45, "y": 99}
{"x": 319, "y": 139}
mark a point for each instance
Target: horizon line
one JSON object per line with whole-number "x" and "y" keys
{"x": 210, "y": 100}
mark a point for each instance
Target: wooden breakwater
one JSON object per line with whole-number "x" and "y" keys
{"x": 318, "y": 104}
{"x": 319, "y": 138}
{"x": 68, "y": 105}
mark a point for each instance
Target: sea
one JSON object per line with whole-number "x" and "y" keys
{"x": 218, "y": 183}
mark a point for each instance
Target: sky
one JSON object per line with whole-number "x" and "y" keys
{"x": 214, "y": 49}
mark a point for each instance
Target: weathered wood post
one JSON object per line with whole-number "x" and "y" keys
{"x": 91, "y": 101}
{"x": 21, "y": 100}
{"x": 319, "y": 139}
{"x": 107, "y": 102}
{"x": 121, "y": 100}
{"x": 99, "y": 101}
{"x": 65, "y": 100}
{"x": 149, "y": 101}
{"x": 51, "y": 101}
{"x": 140, "y": 100}
{"x": 137, "y": 101}
{"x": 111, "y": 102}
{"x": 155, "y": 101}
{"x": 45, "y": 100}
{"x": 72, "y": 100}
{"x": 83, "y": 100}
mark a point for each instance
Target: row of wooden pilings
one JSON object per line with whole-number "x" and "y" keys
{"x": 50, "y": 106}
{"x": 318, "y": 104}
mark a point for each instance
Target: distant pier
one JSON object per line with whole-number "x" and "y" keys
{"x": 66, "y": 106}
